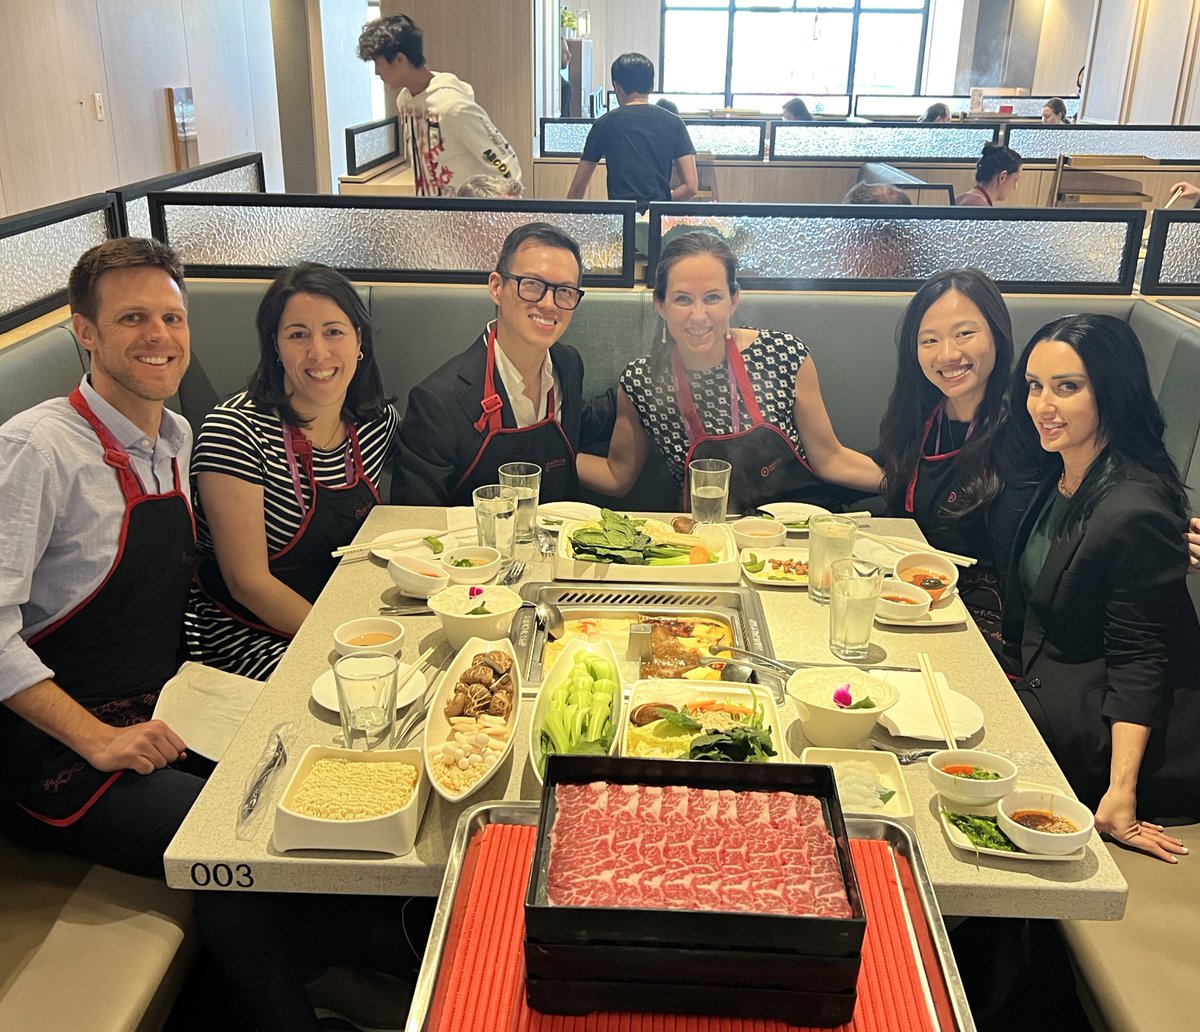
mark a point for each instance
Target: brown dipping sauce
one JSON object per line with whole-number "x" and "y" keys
{"x": 370, "y": 638}
{"x": 1042, "y": 820}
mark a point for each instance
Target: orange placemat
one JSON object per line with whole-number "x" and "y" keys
{"x": 481, "y": 982}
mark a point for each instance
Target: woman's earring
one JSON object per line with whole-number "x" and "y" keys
{"x": 278, "y": 360}
{"x": 664, "y": 333}
{"x": 360, "y": 356}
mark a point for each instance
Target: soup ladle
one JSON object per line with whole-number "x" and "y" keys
{"x": 548, "y": 618}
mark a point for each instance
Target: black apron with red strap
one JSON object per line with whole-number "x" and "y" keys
{"x": 305, "y": 563}
{"x": 543, "y": 442}
{"x": 766, "y": 467}
{"x": 114, "y": 651}
{"x": 934, "y": 485}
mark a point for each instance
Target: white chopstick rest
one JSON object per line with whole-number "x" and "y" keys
{"x": 935, "y": 699}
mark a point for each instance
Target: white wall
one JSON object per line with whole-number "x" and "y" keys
{"x": 347, "y": 81}
{"x": 1063, "y": 48}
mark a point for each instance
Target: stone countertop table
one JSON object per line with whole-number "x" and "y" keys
{"x": 207, "y": 853}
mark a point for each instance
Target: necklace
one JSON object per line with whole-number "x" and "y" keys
{"x": 1066, "y": 492}
{"x": 331, "y": 441}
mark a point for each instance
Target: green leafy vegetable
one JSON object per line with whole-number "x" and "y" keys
{"x": 551, "y": 521}
{"x": 479, "y": 610}
{"x": 620, "y": 540}
{"x": 461, "y": 563}
{"x": 885, "y": 794}
{"x": 680, "y": 719}
{"x": 435, "y": 544}
{"x": 866, "y": 702}
{"x": 579, "y": 721}
{"x": 754, "y": 564}
{"x": 738, "y": 744}
{"x": 983, "y": 832}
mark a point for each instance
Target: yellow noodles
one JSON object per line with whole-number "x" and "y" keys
{"x": 349, "y": 790}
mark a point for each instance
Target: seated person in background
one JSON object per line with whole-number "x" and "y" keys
{"x": 490, "y": 186}
{"x": 1188, "y": 192}
{"x": 795, "y": 110}
{"x": 1096, "y": 610}
{"x": 1054, "y": 112}
{"x": 939, "y": 112}
{"x": 709, "y": 390}
{"x": 997, "y": 175}
{"x": 515, "y": 395}
{"x": 875, "y": 193}
{"x": 668, "y": 105}
{"x": 286, "y": 470}
{"x": 640, "y": 141}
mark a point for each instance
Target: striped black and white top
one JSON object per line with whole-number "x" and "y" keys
{"x": 242, "y": 440}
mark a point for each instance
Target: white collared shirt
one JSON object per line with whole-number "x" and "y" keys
{"x": 525, "y": 411}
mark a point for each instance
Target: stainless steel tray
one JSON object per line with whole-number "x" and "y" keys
{"x": 478, "y": 817}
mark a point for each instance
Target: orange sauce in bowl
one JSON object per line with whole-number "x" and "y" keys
{"x": 369, "y": 639}
{"x": 902, "y": 599}
{"x": 928, "y": 580}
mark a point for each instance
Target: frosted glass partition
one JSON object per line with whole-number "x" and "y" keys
{"x": 243, "y": 174}
{"x": 1028, "y": 107}
{"x": 844, "y": 247}
{"x": 1173, "y": 253}
{"x": 727, "y": 137}
{"x": 38, "y": 249}
{"x": 371, "y": 144}
{"x": 396, "y": 239}
{"x": 904, "y": 141}
{"x": 1168, "y": 143}
{"x": 869, "y": 105}
{"x": 563, "y": 137}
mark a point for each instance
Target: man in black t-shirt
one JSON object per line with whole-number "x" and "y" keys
{"x": 640, "y": 141}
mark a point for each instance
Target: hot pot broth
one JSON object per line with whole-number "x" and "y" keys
{"x": 676, "y": 642}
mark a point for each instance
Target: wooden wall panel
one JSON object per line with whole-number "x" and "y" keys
{"x": 1158, "y": 63}
{"x": 347, "y": 80}
{"x": 264, "y": 99}
{"x": 218, "y": 63}
{"x": 1109, "y": 60}
{"x": 1062, "y": 50}
{"x": 52, "y": 148}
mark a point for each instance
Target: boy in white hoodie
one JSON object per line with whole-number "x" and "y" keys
{"x": 449, "y": 136}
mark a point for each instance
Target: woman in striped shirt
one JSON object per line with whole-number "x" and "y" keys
{"x": 286, "y": 471}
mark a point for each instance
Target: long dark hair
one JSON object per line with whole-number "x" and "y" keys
{"x": 914, "y": 397}
{"x": 1131, "y": 422}
{"x": 677, "y": 249}
{"x": 996, "y": 158}
{"x": 365, "y": 399}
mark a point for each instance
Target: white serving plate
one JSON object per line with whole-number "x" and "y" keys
{"x": 550, "y": 680}
{"x": 727, "y": 570}
{"x": 394, "y": 833}
{"x": 437, "y": 727}
{"x": 681, "y": 690}
{"x": 324, "y": 688}
{"x": 912, "y": 715}
{"x": 552, "y": 515}
{"x": 960, "y": 841}
{"x": 948, "y": 611}
{"x": 898, "y": 808}
{"x": 794, "y": 512}
{"x": 763, "y": 577}
{"x": 411, "y": 542}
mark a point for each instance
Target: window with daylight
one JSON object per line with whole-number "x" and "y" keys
{"x": 756, "y": 54}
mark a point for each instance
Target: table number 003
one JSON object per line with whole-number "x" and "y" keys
{"x": 222, "y": 876}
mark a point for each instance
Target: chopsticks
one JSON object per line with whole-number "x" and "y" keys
{"x": 900, "y": 544}
{"x": 1174, "y": 197}
{"x": 394, "y": 544}
{"x": 936, "y": 700}
{"x": 412, "y": 670}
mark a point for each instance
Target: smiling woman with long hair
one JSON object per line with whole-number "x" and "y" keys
{"x": 1096, "y": 610}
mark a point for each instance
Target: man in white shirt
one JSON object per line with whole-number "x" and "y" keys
{"x": 448, "y": 135}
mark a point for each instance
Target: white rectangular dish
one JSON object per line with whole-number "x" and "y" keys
{"x": 945, "y": 612}
{"x": 960, "y": 840}
{"x": 681, "y": 692}
{"x": 899, "y": 807}
{"x": 394, "y": 832}
{"x": 726, "y": 570}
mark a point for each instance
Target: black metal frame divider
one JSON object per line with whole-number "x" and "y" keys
{"x": 16, "y": 225}
{"x": 543, "y": 122}
{"x": 626, "y": 209}
{"x": 1132, "y": 219}
{"x": 743, "y": 155}
{"x": 931, "y": 127}
{"x": 1156, "y": 247}
{"x": 353, "y": 168}
{"x": 171, "y": 180}
{"x": 931, "y": 98}
{"x": 1028, "y": 158}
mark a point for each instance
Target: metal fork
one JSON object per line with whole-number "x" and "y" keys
{"x": 512, "y": 573}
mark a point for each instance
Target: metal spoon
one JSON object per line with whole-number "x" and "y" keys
{"x": 548, "y": 618}
{"x": 903, "y": 756}
{"x": 758, "y": 657}
{"x": 744, "y": 673}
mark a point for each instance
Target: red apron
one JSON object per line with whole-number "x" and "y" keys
{"x": 543, "y": 442}
{"x": 766, "y": 467}
{"x": 114, "y": 651}
{"x": 305, "y": 563}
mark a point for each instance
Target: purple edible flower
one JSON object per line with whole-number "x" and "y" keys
{"x": 841, "y": 696}
{"x": 476, "y": 592}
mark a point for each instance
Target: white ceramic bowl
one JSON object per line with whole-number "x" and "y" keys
{"x": 554, "y": 677}
{"x": 1045, "y": 841}
{"x": 969, "y": 790}
{"x": 343, "y": 637}
{"x": 417, "y": 578}
{"x": 823, "y": 721}
{"x": 394, "y": 832}
{"x": 914, "y": 561}
{"x": 484, "y": 560}
{"x": 452, "y": 604}
{"x": 755, "y": 532}
{"x": 438, "y": 730}
{"x": 918, "y": 605}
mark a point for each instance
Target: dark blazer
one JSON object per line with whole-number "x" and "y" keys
{"x": 438, "y": 440}
{"x": 1109, "y": 633}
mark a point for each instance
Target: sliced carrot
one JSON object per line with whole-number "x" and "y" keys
{"x": 712, "y": 705}
{"x": 959, "y": 768}
{"x": 698, "y": 556}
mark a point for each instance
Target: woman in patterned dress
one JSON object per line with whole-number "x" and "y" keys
{"x": 709, "y": 390}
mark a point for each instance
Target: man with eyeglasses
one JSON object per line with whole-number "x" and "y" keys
{"x": 515, "y": 395}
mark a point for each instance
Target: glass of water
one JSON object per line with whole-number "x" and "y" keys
{"x": 526, "y": 479}
{"x": 855, "y": 590}
{"x": 829, "y": 538}
{"x": 496, "y": 516}
{"x": 366, "y": 693}
{"x": 708, "y": 487}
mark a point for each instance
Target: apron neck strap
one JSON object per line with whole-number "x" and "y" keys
{"x": 492, "y": 404}
{"x": 115, "y": 454}
{"x": 739, "y": 384}
{"x": 300, "y": 451}
{"x": 938, "y": 415}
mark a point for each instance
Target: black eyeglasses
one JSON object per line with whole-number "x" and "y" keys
{"x": 530, "y": 288}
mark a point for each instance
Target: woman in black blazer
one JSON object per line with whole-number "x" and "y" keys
{"x": 1096, "y": 606}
